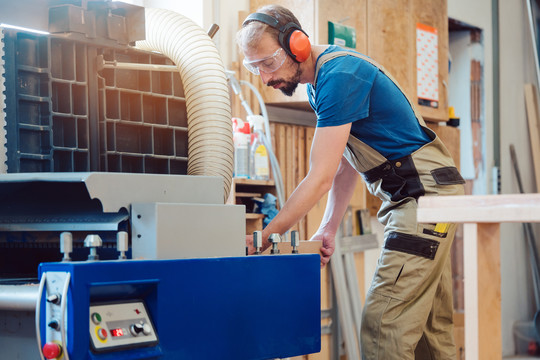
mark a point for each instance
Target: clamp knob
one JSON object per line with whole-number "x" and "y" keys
{"x": 257, "y": 241}
{"x": 93, "y": 242}
{"x": 122, "y": 244}
{"x": 274, "y": 240}
{"x": 66, "y": 245}
{"x": 295, "y": 241}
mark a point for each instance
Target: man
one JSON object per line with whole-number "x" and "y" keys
{"x": 367, "y": 126}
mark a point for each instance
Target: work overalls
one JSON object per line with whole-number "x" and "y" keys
{"x": 409, "y": 306}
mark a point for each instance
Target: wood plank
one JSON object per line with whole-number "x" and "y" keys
{"x": 470, "y": 258}
{"x": 273, "y": 135}
{"x": 459, "y": 334}
{"x": 483, "y": 335}
{"x": 281, "y": 142}
{"x": 533, "y": 116}
{"x": 489, "y": 292}
{"x": 479, "y": 208}
{"x": 289, "y": 161}
{"x": 389, "y": 26}
{"x": 248, "y": 194}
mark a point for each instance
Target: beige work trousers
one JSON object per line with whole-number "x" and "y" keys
{"x": 408, "y": 313}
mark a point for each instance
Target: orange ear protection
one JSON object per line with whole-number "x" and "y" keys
{"x": 291, "y": 37}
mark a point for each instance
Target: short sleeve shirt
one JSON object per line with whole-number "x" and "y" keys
{"x": 352, "y": 90}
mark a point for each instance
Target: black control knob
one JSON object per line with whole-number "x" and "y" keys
{"x": 53, "y": 299}
{"x": 136, "y": 329}
{"x": 54, "y": 324}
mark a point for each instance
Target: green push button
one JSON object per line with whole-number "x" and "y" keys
{"x": 96, "y": 318}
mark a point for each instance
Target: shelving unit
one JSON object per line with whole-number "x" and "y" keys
{"x": 65, "y": 115}
{"x": 243, "y": 192}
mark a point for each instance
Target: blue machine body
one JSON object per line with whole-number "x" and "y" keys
{"x": 256, "y": 307}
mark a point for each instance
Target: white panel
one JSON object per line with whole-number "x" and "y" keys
{"x": 180, "y": 231}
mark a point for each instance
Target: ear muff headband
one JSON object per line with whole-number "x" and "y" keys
{"x": 291, "y": 37}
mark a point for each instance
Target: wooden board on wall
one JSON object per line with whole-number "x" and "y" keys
{"x": 388, "y": 39}
{"x": 349, "y": 12}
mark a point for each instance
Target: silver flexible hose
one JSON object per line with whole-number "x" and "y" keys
{"x": 210, "y": 138}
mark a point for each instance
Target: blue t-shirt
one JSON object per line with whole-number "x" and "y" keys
{"x": 352, "y": 90}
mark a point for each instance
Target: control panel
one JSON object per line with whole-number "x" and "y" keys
{"x": 54, "y": 285}
{"x": 121, "y": 325}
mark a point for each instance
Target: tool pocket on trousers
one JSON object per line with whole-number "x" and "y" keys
{"x": 448, "y": 175}
{"x": 411, "y": 244}
{"x": 405, "y": 265}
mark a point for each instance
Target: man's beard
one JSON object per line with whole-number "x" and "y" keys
{"x": 291, "y": 85}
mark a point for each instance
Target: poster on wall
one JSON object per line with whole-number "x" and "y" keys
{"x": 427, "y": 65}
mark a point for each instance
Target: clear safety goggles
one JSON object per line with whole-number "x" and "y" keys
{"x": 268, "y": 64}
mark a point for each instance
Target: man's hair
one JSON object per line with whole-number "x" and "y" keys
{"x": 250, "y": 34}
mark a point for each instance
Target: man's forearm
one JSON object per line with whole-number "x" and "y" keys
{"x": 339, "y": 196}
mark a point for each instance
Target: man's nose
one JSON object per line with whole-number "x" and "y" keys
{"x": 265, "y": 77}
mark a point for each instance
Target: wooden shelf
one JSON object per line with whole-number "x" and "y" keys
{"x": 252, "y": 216}
{"x": 243, "y": 181}
{"x": 248, "y": 194}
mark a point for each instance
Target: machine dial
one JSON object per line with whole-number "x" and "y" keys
{"x": 136, "y": 329}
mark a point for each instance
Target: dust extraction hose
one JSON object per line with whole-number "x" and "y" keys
{"x": 210, "y": 138}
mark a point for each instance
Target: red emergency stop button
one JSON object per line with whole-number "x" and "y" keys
{"x": 102, "y": 334}
{"x": 52, "y": 350}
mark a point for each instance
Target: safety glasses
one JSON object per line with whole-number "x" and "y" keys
{"x": 268, "y": 64}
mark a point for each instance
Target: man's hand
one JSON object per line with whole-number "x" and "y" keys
{"x": 251, "y": 249}
{"x": 328, "y": 246}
